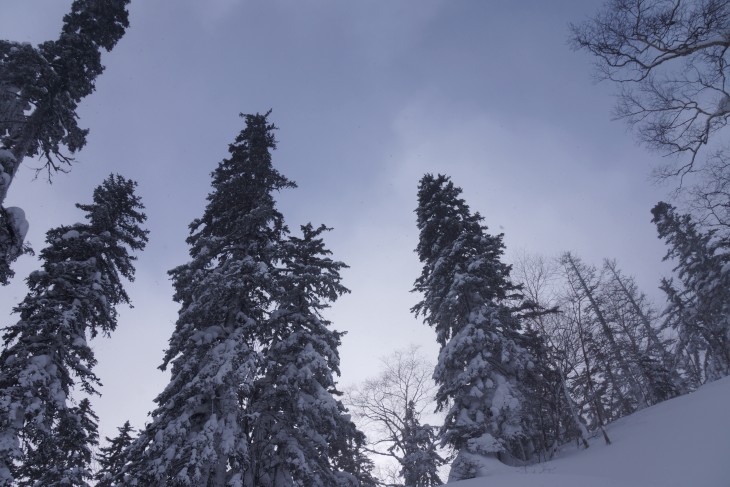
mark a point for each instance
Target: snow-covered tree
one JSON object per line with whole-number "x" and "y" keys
{"x": 700, "y": 306}
{"x": 421, "y": 459}
{"x": 111, "y": 458}
{"x": 389, "y": 407}
{"x": 197, "y": 436}
{"x": 63, "y": 458}
{"x": 40, "y": 90}
{"x": 251, "y": 395}
{"x": 353, "y": 467}
{"x": 294, "y": 414}
{"x": 466, "y": 298}
{"x": 72, "y": 298}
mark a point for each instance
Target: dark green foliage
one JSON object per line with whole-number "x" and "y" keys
{"x": 700, "y": 306}
{"x": 53, "y": 78}
{"x": 63, "y": 457}
{"x": 472, "y": 304}
{"x": 40, "y": 90}
{"x": 421, "y": 459}
{"x": 74, "y": 297}
{"x": 250, "y": 400}
{"x": 111, "y": 458}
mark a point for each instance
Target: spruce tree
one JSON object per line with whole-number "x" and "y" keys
{"x": 421, "y": 460}
{"x": 251, "y": 396}
{"x": 40, "y": 90}
{"x": 701, "y": 305}
{"x": 71, "y": 299}
{"x": 111, "y": 458}
{"x": 466, "y": 297}
{"x": 198, "y": 434}
{"x": 64, "y": 457}
{"x": 294, "y": 410}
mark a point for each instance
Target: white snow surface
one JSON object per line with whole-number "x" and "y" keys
{"x": 684, "y": 442}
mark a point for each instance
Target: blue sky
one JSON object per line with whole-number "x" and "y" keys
{"x": 368, "y": 97}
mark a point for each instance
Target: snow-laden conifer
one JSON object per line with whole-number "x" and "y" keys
{"x": 466, "y": 289}
{"x": 700, "y": 306}
{"x": 295, "y": 415}
{"x": 64, "y": 457}
{"x": 71, "y": 299}
{"x": 40, "y": 90}
{"x": 421, "y": 460}
{"x": 112, "y": 457}
{"x": 198, "y": 436}
{"x": 251, "y": 399}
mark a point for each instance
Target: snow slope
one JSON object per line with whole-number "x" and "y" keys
{"x": 684, "y": 442}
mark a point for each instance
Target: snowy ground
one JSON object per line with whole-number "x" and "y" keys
{"x": 684, "y": 442}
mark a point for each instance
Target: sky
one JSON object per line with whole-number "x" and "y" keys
{"x": 368, "y": 97}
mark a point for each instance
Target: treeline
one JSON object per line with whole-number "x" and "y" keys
{"x": 551, "y": 351}
{"x": 531, "y": 357}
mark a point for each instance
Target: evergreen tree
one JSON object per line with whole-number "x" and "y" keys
{"x": 466, "y": 298}
{"x": 352, "y": 466}
{"x": 63, "y": 458}
{"x": 295, "y": 416}
{"x": 421, "y": 459}
{"x": 702, "y": 303}
{"x": 40, "y": 89}
{"x": 72, "y": 298}
{"x": 111, "y": 458}
{"x": 197, "y": 436}
{"x": 250, "y": 400}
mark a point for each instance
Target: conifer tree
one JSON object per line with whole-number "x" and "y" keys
{"x": 63, "y": 458}
{"x": 71, "y": 299}
{"x": 111, "y": 458}
{"x": 421, "y": 459}
{"x": 352, "y": 466}
{"x": 466, "y": 298}
{"x": 197, "y": 436}
{"x": 296, "y": 416}
{"x": 701, "y": 306}
{"x": 251, "y": 396}
{"x": 40, "y": 90}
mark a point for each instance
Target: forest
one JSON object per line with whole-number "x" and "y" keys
{"x": 535, "y": 351}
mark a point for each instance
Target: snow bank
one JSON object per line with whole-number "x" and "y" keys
{"x": 679, "y": 443}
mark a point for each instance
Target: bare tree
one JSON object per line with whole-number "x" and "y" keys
{"x": 670, "y": 59}
{"x": 389, "y": 407}
{"x": 539, "y": 279}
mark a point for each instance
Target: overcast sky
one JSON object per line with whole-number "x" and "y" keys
{"x": 368, "y": 96}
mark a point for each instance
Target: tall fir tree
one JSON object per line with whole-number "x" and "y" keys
{"x": 197, "y": 436}
{"x": 251, "y": 396}
{"x": 700, "y": 307}
{"x": 46, "y": 353}
{"x": 295, "y": 415}
{"x": 112, "y": 457}
{"x": 421, "y": 460}
{"x": 466, "y": 298}
{"x": 63, "y": 458}
{"x": 40, "y": 90}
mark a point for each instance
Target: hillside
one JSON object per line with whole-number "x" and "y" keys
{"x": 684, "y": 442}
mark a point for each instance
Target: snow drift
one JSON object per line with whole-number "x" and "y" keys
{"x": 684, "y": 442}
